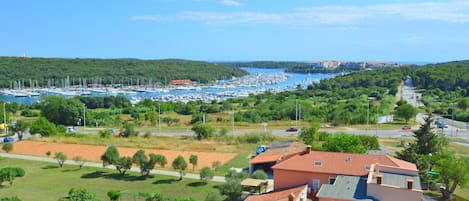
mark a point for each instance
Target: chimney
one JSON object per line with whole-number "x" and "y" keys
{"x": 379, "y": 179}
{"x": 410, "y": 184}
{"x": 291, "y": 197}
{"x": 308, "y": 149}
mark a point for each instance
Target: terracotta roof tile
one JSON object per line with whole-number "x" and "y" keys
{"x": 339, "y": 163}
{"x": 278, "y": 195}
{"x": 275, "y": 154}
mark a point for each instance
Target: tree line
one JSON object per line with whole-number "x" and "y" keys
{"x": 109, "y": 71}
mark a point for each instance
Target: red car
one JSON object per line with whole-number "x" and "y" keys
{"x": 292, "y": 129}
{"x": 406, "y": 128}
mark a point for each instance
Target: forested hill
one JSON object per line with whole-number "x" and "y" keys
{"x": 108, "y": 71}
{"x": 292, "y": 67}
{"x": 445, "y": 76}
{"x": 267, "y": 64}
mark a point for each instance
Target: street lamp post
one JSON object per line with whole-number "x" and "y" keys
{"x": 5, "y": 119}
{"x": 368, "y": 113}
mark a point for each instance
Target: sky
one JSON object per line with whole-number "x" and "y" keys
{"x": 237, "y": 30}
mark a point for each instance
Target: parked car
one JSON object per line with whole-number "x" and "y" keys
{"x": 8, "y": 139}
{"x": 407, "y": 127}
{"x": 292, "y": 129}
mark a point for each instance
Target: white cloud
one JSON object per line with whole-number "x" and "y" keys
{"x": 231, "y": 3}
{"x": 449, "y": 12}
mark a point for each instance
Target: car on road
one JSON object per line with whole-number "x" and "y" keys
{"x": 407, "y": 127}
{"x": 440, "y": 124}
{"x": 8, "y": 139}
{"x": 292, "y": 129}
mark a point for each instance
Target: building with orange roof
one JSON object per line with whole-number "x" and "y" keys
{"x": 298, "y": 193}
{"x": 274, "y": 153}
{"x": 180, "y": 82}
{"x": 326, "y": 173}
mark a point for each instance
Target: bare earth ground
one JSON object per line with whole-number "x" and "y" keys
{"x": 93, "y": 152}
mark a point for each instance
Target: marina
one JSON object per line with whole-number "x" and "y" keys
{"x": 259, "y": 80}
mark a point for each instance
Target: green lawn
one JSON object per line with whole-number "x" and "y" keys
{"x": 46, "y": 182}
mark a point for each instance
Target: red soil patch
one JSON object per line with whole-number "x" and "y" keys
{"x": 93, "y": 153}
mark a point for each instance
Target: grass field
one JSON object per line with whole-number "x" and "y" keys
{"x": 46, "y": 182}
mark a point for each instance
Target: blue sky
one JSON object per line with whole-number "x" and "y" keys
{"x": 237, "y": 30}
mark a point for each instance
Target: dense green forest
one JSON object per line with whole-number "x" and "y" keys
{"x": 291, "y": 66}
{"x": 445, "y": 88}
{"x": 109, "y": 71}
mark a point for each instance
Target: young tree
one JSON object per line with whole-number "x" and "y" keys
{"x": 202, "y": 131}
{"x": 307, "y": 134}
{"x": 180, "y": 164}
{"x": 20, "y": 127}
{"x": 61, "y": 158}
{"x": 193, "y": 160}
{"x": 231, "y": 188}
{"x": 79, "y": 161}
{"x": 216, "y": 165}
{"x": 406, "y": 111}
{"x": 151, "y": 116}
{"x": 123, "y": 164}
{"x": 213, "y": 196}
{"x": 206, "y": 174}
{"x": 161, "y": 160}
{"x": 106, "y": 133}
{"x": 454, "y": 171}
{"x": 7, "y": 147}
{"x": 48, "y": 153}
{"x": 259, "y": 174}
{"x": 111, "y": 156}
{"x": 141, "y": 160}
{"x": 426, "y": 139}
{"x": 128, "y": 130}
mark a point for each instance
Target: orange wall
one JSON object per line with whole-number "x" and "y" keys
{"x": 284, "y": 179}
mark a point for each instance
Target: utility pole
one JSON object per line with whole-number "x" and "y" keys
{"x": 5, "y": 119}
{"x": 296, "y": 112}
{"x": 299, "y": 113}
{"x": 232, "y": 121}
{"x": 377, "y": 119}
{"x": 84, "y": 116}
{"x": 159, "y": 118}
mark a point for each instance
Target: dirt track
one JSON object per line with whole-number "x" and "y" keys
{"x": 93, "y": 153}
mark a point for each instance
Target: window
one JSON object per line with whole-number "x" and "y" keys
{"x": 331, "y": 180}
{"x": 315, "y": 184}
{"x": 367, "y": 167}
{"x": 317, "y": 163}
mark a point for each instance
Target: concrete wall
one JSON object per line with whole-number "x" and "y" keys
{"x": 385, "y": 193}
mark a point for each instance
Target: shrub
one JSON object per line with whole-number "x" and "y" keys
{"x": 259, "y": 174}
{"x": 14, "y": 198}
{"x": 20, "y": 172}
{"x": 105, "y": 134}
